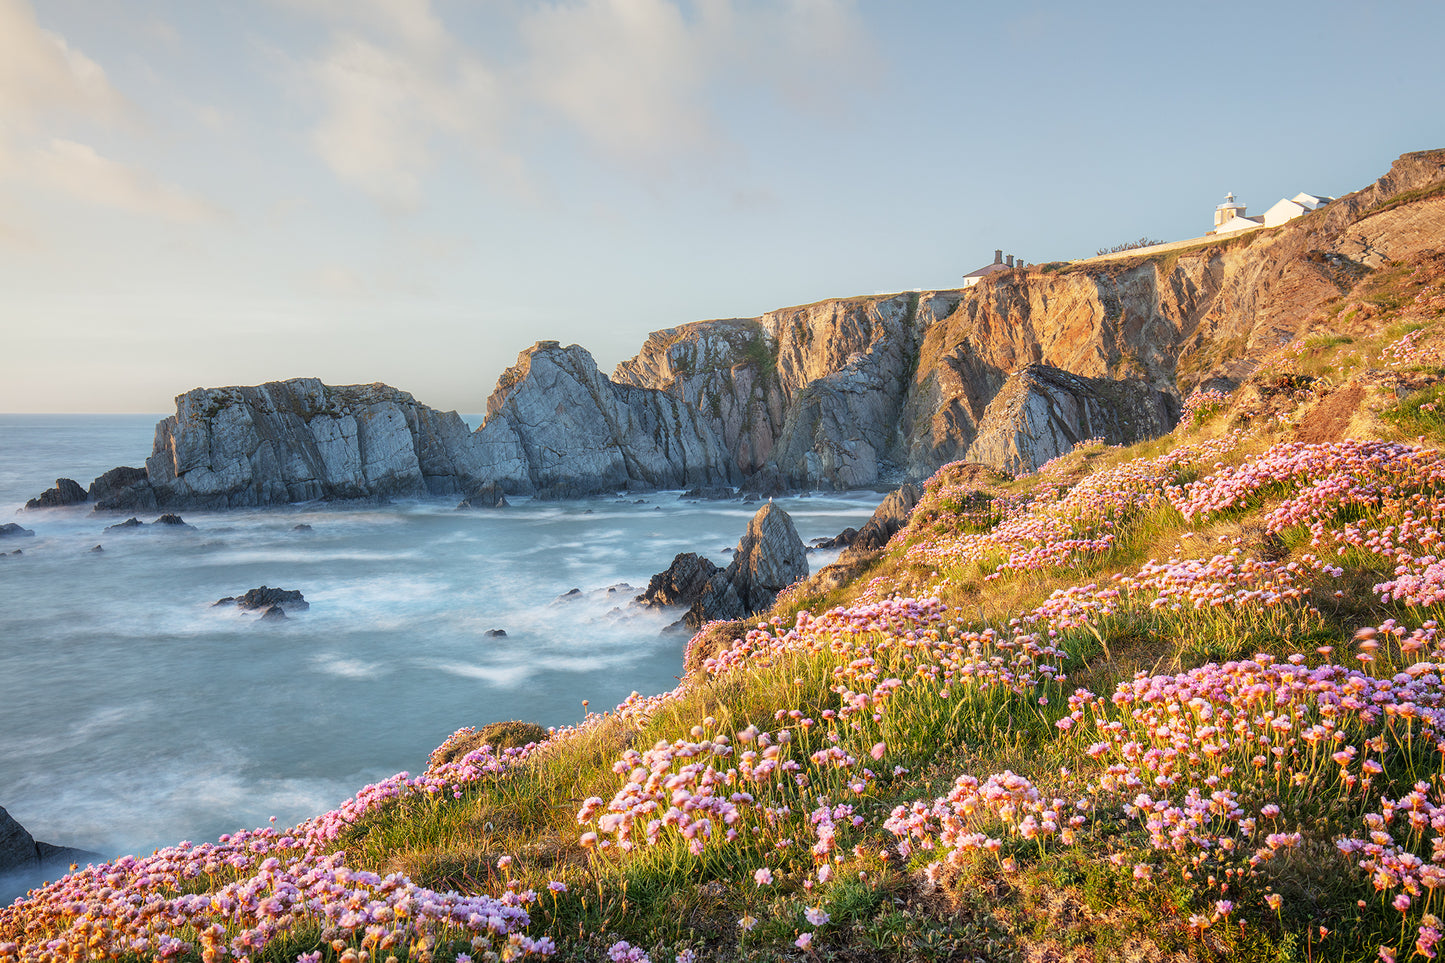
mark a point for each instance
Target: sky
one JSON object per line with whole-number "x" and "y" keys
{"x": 413, "y": 191}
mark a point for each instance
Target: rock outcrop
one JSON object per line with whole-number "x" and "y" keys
{"x": 24, "y": 860}
{"x": 67, "y": 491}
{"x": 266, "y": 598}
{"x": 1042, "y": 412}
{"x": 299, "y": 440}
{"x": 683, "y": 583}
{"x": 123, "y": 490}
{"x": 769, "y": 558}
{"x": 12, "y": 530}
{"x": 887, "y": 520}
{"x": 555, "y": 424}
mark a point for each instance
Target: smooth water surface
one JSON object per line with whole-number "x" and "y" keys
{"x": 133, "y": 714}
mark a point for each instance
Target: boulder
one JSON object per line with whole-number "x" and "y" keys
{"x": 123, "y": 490}
{"x": 11, "y": 530}
{"x": 489, "y": 495}
{"x": 888, "y": 520}
{"x": 173, "y": 521}
{"x": 267, "y": 598}
{"x": 682, "y": 584}
{"x": 842, "y": 540}
{"x": 274, "y": 613}
{"x": 129, "y": 523}
{"x": 67, "y": 491}
{"x": 769, "y": 557}
{"x": 495, "y": 633}
{"x": 24, "y": 860}
{"x": 98, "y": 548}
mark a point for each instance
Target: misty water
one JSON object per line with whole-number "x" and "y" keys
{"x": 133, "y": 714}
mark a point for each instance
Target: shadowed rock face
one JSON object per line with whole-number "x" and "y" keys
{"x": 24, "y": 861}
{"x": 682, "y": 584}
{"x": 67, "y": 491}
{"x": 769, "y": 557}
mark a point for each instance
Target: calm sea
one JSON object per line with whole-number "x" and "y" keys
{"x": 134, "y": 715}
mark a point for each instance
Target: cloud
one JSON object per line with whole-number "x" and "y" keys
{"x": 629, "y": 74}
{"x": 40, "y": 72}
{"x": 44, "y": 82}
{"x": 639, "y": 82}
{"x": 77, "y": 170}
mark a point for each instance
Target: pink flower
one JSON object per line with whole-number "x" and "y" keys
{"x": 763, "y": 877}
{"x": 804, "y": 942}
{"x": 816, "y": 915}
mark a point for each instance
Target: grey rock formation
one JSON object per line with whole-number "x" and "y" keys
{"x": 888, "y": 520}
{"x": 556, "y": 426}
{"x": 24, "y": 861}
{"x": 769, "y": 557}
{"x": 127, "y": 525}
{"x": 67, "y": 491}
{"x": 12, "y": 530}
{"x": 123, "y": 490}
{"x": 290, "y": 441}
{"x": 266, "y": 598}
{"x": 1042, "y": 412}
{"x": 681, "y": 584}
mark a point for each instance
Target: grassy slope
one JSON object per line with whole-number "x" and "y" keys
{"x": 977, "y": 695}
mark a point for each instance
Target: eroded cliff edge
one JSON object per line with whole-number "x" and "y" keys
{"x": 843, "y": 393}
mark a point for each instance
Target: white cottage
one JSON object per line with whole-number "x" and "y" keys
{"x": 1230, "y": 218}
{"x": 1000, "y": 263}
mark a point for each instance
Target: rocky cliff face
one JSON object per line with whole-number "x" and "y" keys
{"x": 860, "y": 391}
{"x": 299, "y": 440}
{"x": 839, "y": 394}
{"x": 555, "y": 423}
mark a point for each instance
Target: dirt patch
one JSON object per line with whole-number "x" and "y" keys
{"x": 1330, "y": 419}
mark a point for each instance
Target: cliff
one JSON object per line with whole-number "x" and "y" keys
{"x": 839, "y": 394}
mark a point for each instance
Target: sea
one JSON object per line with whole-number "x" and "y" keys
{"x": 134, "y": 713}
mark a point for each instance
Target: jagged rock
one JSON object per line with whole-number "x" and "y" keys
{"x": 98, "y": 548}
{"x": 769, "y": 558}
{"x": 12, "y": 530}
{"x": 174, "y": 521}
{"x": 489, "y": 495}
{"x": 273, "y": 613}
{"x": 556, "y": 425}
{"x": 842, "y": 540}
{"x": 123, "y": 490}
{"x": 1042, "y": 412}
{"x": 888, "y": 519}
{"x": 129, "y": 523}
{"x": 568, "y": 596}
{"x": 495, "y": 633}
{"x": 266, "y": 598}
{"x": 67, "y": 491}
{"x": 298, "y": 440}
{"x": 21, "y": 855}
{"x": 681, "y": 584}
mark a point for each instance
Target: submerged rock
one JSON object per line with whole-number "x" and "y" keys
{"x": 770, "y": 557}
{"x": 98, "y": 548}
{"x": 495, "y": 633}
{"x": 274, "y": 613}
{"x": 267, "y": 598}
{"x": 129, "y": 523}
{"x": 67, "y": 491}
{"x": 11, "y": 530}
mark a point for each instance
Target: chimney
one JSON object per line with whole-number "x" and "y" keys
{"x": 1010, "y": 260}
{"x": 998, "y": 257}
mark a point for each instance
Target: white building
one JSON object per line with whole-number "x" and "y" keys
{"x": 1287, "y": 209}
{"x": 1230, "y": 218}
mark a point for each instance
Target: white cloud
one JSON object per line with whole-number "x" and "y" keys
{"x": 40, "y": 72}
{"x": 638, "y": 80}
{"x": 77, "y": 170}
{"x": 630, "y": 74}
{"x": 44, "y": 82}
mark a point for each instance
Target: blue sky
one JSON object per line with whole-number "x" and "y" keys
{"x": 200, "y": 194}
